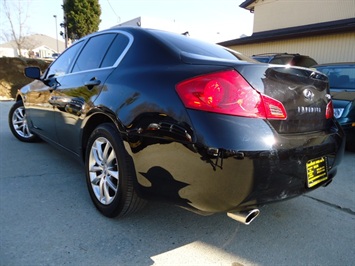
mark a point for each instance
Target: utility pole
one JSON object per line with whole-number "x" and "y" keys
{"x": 56, "y": 31}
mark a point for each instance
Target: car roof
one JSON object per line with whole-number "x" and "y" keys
{"x": 176, "y": 46}
{"x": 277, "y": 54}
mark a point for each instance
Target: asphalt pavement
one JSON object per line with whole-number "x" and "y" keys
{"x": 47, "y": 218}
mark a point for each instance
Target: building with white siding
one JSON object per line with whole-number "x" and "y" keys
{"x": 154, "y": 23}
{"x": 35, "y": 46}
{"x": 324, "y": 30}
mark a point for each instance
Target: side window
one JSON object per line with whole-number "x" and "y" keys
{"x": 63, "y": 62}
{"x": 115, "y": 50}
{"x": 92, "y": 54}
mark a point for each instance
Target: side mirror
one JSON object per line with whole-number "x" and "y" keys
{"x": 33, "y": 72}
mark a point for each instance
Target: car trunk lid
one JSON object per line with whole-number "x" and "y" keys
{"x": 303, "y": 92}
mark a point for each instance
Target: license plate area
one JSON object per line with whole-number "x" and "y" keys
{"x": 316, "y": 171}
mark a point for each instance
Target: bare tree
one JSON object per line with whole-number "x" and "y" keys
{"x": 16, "y": 13}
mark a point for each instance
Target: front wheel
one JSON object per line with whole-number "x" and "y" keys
{"x": 18, "y": 123}
{"x": 110, "y": 173}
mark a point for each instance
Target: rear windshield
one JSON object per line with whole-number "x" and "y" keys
{"x": 262, "y": 59}
{"x": 284, "y": 60}
{"x": 340, "y": 77}
{"x": 198, "y": 47}
{"x": 304, "y": 61}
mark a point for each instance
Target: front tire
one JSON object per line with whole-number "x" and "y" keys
{"x": 110, "y": 173}
{"x": 18, "y": 123}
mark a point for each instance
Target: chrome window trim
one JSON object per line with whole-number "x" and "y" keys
{"x": 119, "y": 59}
{"x": 130, "y": 41}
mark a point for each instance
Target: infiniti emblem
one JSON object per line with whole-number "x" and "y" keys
{"x": 308, "y": 94}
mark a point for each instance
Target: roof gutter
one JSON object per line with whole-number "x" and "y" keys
{"x": 246, "y": 4}
{"x": 338, "y": 26}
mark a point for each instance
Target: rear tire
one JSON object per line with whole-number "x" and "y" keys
{"x": 110, "y": 173}
{"x": 18, "y": 123}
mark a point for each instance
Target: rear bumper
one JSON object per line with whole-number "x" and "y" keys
{"x": 232, "y": 166}
{"x": 283, "y": 174}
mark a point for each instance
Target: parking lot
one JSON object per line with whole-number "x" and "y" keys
{"x": 47, "y": 218}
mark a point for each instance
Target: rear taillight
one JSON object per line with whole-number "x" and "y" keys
{"x": 329, "y": 111}
{"x": 228, "y": 93}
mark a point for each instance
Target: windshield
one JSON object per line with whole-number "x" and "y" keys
{"x": 340, "y": 77}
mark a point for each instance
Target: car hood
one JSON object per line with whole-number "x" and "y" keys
{"x": 343, "y": 95}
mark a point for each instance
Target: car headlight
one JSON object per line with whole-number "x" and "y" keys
{"x": 338, "y": 112}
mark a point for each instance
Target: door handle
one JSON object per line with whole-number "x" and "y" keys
{"x": 92, "y": 82}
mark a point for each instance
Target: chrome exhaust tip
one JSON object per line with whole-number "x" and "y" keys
{"x": 245, "y": 217}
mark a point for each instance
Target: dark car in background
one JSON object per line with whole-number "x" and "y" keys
{"x": 157, "y": 115}
{"x": 285, "y": 59}
{"x": 342, "y": 88}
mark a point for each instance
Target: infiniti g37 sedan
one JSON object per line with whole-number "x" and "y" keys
{"x": 157, "y": 115}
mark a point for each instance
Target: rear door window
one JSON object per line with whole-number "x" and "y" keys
{"x": 115, "y": 50}
{"x": 93, "y": 53}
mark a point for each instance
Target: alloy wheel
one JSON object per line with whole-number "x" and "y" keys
{"x": 103, "y": 171}
{"x": 19, "y": 122}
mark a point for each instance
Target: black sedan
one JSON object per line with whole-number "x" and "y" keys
{"x": 157, "y": 115}
{"x": 342, "y": 88}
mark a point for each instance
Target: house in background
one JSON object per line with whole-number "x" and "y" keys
{"x": 34, "y": 46}
{"x": 324, "y": 30}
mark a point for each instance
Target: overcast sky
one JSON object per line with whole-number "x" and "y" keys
{"x": 210, "y": 20}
